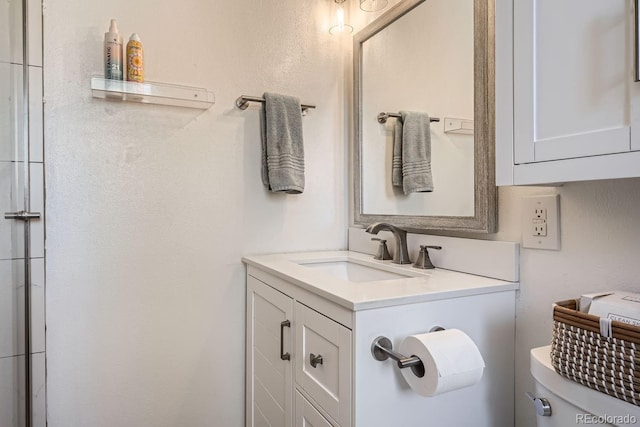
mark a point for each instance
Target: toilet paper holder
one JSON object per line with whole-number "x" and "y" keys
{"x": 382, "y": 349}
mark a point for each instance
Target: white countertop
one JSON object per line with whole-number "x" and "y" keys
{"x": 424, "y": 285}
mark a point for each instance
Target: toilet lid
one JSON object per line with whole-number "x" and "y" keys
{"x": 585, "y": 398}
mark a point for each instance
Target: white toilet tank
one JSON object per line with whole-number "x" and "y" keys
{"x": 574, "y": 404}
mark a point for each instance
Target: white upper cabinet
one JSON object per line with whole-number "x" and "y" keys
{"x": 567, "y": 105}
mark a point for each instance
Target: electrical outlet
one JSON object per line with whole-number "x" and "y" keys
{"x": 541, "y": 222}
{"x": 540, "y": 229}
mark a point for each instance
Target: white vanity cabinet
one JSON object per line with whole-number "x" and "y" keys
{"x": 285, "y": 336}
{"x": 269, "y": 364}
{"x": 310, "y": 332}
{"x": 567, "y": 105}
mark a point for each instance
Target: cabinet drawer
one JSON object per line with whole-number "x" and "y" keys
{"x": 307, "y": 415}
{"x": 323, "y": 362}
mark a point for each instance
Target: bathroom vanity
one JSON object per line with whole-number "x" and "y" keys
{"x": 311, "y": 321}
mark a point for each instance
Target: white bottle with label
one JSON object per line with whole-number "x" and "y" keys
{"x": 113, "y": 53}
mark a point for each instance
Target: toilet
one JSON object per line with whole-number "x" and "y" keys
{"x": 572, "y": 403}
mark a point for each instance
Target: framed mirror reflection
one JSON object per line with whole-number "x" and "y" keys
{"x": 431, "y": 59}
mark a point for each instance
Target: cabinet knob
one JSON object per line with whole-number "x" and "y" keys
{"x": 315, "y": 360}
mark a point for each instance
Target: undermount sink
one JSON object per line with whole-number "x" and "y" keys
{"x": 354, "y": 272}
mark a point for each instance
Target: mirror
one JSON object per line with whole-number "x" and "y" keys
{"x": 435, "y": 57}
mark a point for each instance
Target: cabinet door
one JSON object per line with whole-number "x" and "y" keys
{"x": 323, "y": 362}
{"x": 307, "y": 415}
{"x": 573, "y": 78}
{"x": 269, "y": 345}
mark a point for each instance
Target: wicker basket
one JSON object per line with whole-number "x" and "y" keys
{"x": 607, "y": 360}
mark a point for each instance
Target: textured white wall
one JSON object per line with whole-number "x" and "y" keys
{"x": 600, "y": 246}
{"x": 149, "y": 208}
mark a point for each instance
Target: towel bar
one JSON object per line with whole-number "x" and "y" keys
{"x": 243, "y": 102}
{"x": 382, "y": 117}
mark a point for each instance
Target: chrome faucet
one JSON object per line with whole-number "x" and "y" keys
{"x": 401, "y": 254}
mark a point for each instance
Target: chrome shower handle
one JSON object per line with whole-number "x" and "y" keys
{"x": 22, "y": 215}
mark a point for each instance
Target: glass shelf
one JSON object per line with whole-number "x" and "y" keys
{"x": 152, "y": 93}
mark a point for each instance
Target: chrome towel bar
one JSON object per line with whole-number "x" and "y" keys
{"x": 243, "y": 102}
{"x": 382, "y": 117}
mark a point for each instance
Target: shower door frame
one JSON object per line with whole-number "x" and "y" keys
{"x": 25, "y": 214}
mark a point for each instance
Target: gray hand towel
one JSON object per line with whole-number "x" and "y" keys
{"x": 396, "y": 167}
{"x": 282, "y": 144}
{"x": 416, "y": 153}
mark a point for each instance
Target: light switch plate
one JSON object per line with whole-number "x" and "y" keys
{"x": 541, "y": 222}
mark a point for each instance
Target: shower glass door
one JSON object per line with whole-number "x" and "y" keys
{"x": 21, "y": 264}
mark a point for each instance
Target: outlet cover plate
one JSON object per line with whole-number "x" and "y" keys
{"x": 532, "y": 221}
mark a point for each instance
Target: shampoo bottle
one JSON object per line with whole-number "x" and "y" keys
{"x": 113, "y": 53}
{"x": 135, "y": 59}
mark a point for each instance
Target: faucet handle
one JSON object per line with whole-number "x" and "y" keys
{"x": 423, "y": 260}
{"x": 383, "y": 252}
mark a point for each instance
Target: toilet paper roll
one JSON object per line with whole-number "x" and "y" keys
{"x": 451, "y": 361}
